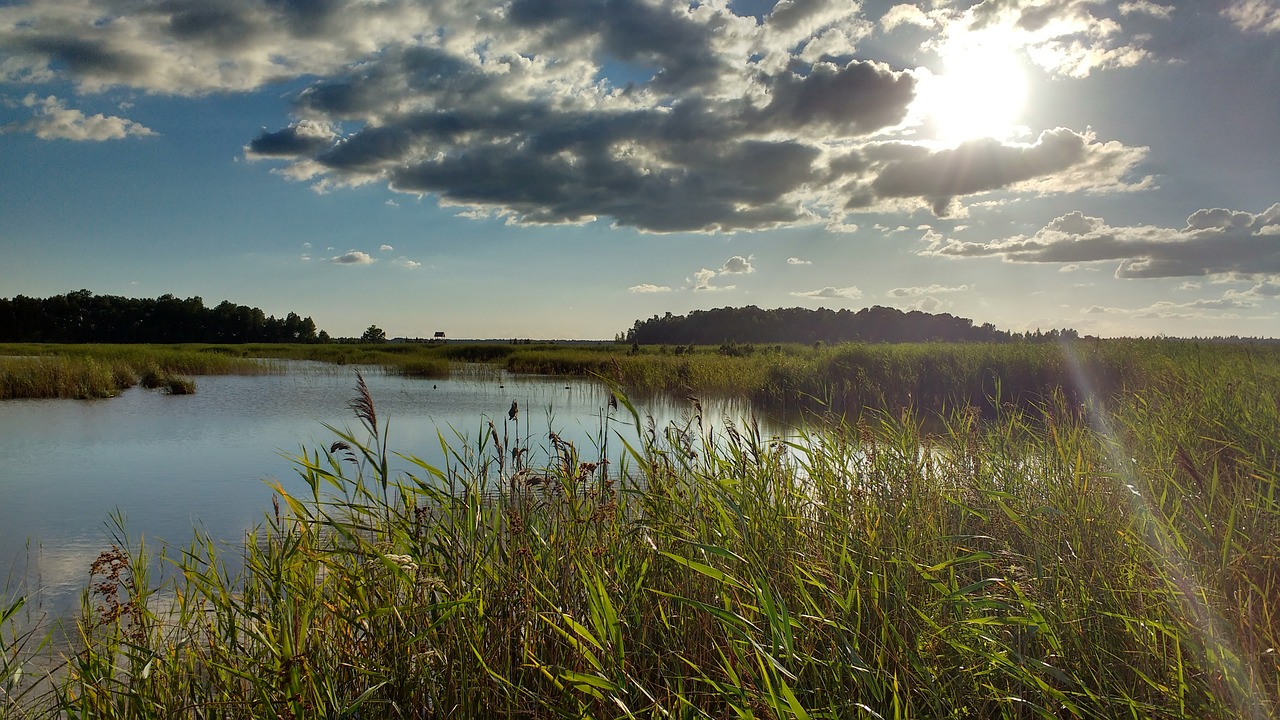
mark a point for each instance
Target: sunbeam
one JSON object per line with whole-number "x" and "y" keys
{"x": 1220, "y": 648}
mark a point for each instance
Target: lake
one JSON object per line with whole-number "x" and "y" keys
{"x": 169, "y": 464}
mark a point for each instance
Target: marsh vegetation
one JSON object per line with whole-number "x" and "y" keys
{"x": 1105, "y": 547}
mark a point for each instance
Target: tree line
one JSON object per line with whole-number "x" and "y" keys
{"x": 801, "y": 325}
{"x": 83, "y": 317}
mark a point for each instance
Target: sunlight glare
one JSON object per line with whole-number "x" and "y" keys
{"x": 980, "y": 92}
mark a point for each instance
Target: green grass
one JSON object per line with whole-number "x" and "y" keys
{"x": 842, "y": 379}
{"x": 101, "y": 371}
{"x": 1116, "y": 560}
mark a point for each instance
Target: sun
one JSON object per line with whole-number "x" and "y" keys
{"x": 980, "y": 92}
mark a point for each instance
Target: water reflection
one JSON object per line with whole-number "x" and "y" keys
{"x": 168, "y": 464}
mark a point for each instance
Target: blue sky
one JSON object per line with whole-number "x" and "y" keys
{"x": 560, "y": 168}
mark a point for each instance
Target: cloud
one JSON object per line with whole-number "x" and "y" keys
{"x": 407, "y": 263}
{"x": 385, "y": 248}
{"x": 660, "y": 116}
{"x": 798, "y": 261}
{"x": 737, "y": 265}
{"x": 53, "y": 120}
{"x": 1060, "y": 160}
{"x": 352, "y": 257}
{"x": 1225, "y": 306}
{"x": 648, "y": 288}
{"x": 1220, "y": 307}
{"x": 194, "y": 47}
{"x": 903, "y": 292}
{"x": 702, "y": 282}
{"x": 928, "y": 304}
{"x": 1214, "y": 241}
{"x": 1065, "y": 38}
{"x": 832, "y": 293}
{"x": 904, "y": 15}
{"x": 301, "y": 138}
{"x": 1254, "y": 15}
{"x": 1266, "y": 290}
{"x": 1163, "y": 12}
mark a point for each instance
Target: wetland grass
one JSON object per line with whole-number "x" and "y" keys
{"x": 1049, "y": 562}
{"x": 102, "y": 371}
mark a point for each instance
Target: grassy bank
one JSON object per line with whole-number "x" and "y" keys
{"x": 843, "y": 379}
{"x": 1123, "y": 561}
{"x": 102, "y": 371}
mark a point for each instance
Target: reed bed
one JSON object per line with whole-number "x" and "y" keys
{"x": 102, "y": 371}
{"x": 1120, "y": 559}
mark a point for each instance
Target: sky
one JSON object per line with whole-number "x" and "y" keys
{"x": 561, "y": 168}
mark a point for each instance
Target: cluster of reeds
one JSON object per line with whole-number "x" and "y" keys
{"x": 155, "y": 378}
{"x": 100, "y": 371}
{"x": 1120, "y": 560}
{"x": 62, "y": 377}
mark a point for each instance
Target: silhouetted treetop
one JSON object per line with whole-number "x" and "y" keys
{"x": 82, "y": 317}
{"x": 801, "y": 325}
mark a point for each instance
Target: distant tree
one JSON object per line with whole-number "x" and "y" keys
{"x": 374, "y": 334}
{"x": 733, "y": 327}
{"x": 83, "y": 317}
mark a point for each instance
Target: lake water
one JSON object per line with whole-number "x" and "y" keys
{"x": 172, "y": 463}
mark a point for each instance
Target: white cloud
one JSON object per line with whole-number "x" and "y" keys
{"x": 407, "y": 263}
{"x": 737, "y": 265}
{"x": 702, "y": 282}
{"x": 929, "y": 290}
{"x": 648, "y": 288}
{"x": 1254, "y": 15}
{"x": 832, "y": 293}
{"x": 798, "y": 261}
{"x": 904, "y": 15}
{"x": 1064, "y": 38}
{"x": 53, "y": 120}
{"x": 1215, "y": 241}
{"x": 385, "y": 248}
{"x": 1146, "y": 6}
{"x": 928, "y": 304}
{"x": 352, "y": 257}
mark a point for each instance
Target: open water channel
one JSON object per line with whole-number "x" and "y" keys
{"x": 169, "y": 464}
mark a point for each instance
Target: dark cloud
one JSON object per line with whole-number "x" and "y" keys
{"x": 858, "y": 99}
{"x": 1215, "y": 241}
{"x": 661, "y": 36}
{"x": 303, "y": 138}
{"x": 663, "y": 116}
{"x": 193, "y": 47}
{"x": 977, "y": 166}
{"x": 83, "y": 57}
{"x": 226, "y": 25}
